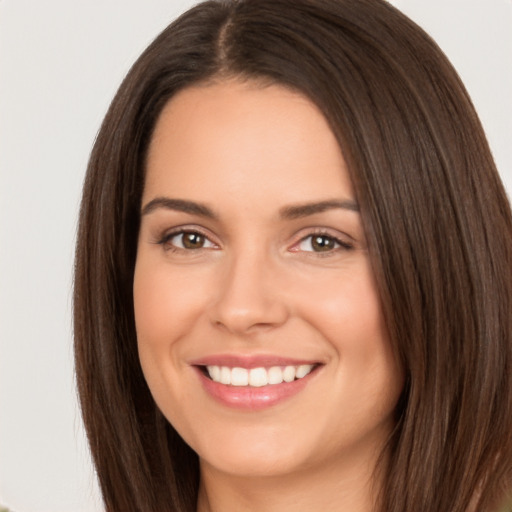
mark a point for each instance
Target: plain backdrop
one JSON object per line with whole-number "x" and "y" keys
{"x": 60, "y": 64}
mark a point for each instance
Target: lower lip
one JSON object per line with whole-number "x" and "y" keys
{"x": 253, "y": 398}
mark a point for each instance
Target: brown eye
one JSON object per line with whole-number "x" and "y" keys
{"x": 322, "y": 243}
{"x": 187, "y": 240}
{"x": 192, "y": 240}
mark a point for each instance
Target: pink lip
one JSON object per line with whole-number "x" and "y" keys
{"x": 251, "y": 398}
{"x": 252, "y": 361}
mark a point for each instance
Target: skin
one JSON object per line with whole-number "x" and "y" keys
{"x": 257, "y": 285}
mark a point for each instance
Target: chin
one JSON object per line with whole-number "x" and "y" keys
{"x": 259, "y": 451}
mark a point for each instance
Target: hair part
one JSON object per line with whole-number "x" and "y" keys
{"x": 436, "y": 217}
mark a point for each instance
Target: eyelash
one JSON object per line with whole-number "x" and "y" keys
{"x": 342, "y": 245}
{"x": 165, "y": 240}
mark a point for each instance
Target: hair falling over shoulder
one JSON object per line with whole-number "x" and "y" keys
{"x": 438, "y": 224}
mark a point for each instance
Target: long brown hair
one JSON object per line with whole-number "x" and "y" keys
{"x": 435, "y": 214}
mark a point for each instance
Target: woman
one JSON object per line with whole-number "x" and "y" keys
{"x": 293, "y": 281}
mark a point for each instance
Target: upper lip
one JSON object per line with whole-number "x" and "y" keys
{"x": 250, "y": 361}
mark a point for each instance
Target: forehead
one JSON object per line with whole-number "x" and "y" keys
{"x": 247, "y": 140}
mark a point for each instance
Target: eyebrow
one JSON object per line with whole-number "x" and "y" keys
{"x": 288, "y": 212}
{"x": 180, "y": 205}
{"x": 304, "y": 210}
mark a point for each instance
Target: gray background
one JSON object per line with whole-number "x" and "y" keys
{"x": 60, "y": 64}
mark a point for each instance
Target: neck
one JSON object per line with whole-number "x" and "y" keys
{"x": 329, "y": 489}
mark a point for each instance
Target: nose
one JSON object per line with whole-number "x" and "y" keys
{"x": 250, "y": 297}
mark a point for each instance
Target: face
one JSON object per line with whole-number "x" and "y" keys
{"x": 259, "y": 326}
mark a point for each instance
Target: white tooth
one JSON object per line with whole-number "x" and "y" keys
{"x": 275, "y": 375}
{"x": 225, "y": 375}
{"x": 214, "y": 373}
{"x": 303, "y": 370}
{"x": 258, "y": 377}
{"x": 289, "y": 374}
{"x": 239, "y": 377}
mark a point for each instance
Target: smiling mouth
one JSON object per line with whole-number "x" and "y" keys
{"x": 257, "y": 377}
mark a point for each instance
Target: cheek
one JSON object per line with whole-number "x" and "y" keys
{"x": 167, "y": 306}
{"x": 346, "y": 309}
{"x": 166, "y": 303}
{"x": 348, "y": 314}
